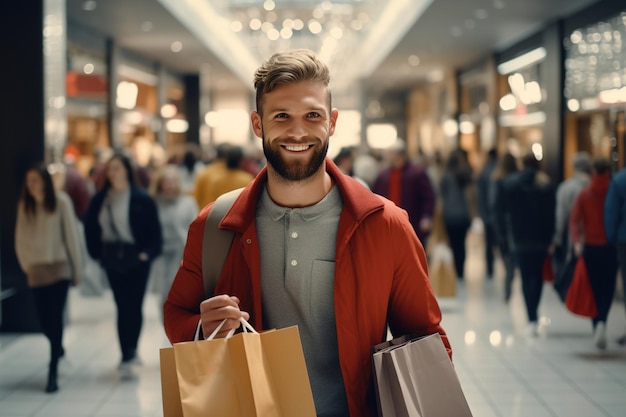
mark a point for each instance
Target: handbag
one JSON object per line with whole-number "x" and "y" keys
{"x": 119, "y": 256}
{"x": 250, "y": 374}
{"x": 564, "y": 276}
{"x": 580, "y": 299}
{"x": 442, "y": 272}
{"x": 414, "y": 377}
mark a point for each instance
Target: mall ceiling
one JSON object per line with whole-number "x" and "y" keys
{"x": 439, "y": 34}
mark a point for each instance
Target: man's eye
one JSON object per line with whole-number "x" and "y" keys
{"x": 281, "y": 116}
{"x": 314, "y": 114}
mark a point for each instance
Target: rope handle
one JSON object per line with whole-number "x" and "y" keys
{"x": 247, "y": 328}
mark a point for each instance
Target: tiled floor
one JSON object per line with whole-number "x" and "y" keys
{"x": 503, "y": 373}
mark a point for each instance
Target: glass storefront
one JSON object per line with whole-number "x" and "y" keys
{"x": 521, "y": 103}
{"x": 595, "y": 88}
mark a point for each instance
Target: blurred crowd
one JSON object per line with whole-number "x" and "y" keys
{"x": 523, "y": 215}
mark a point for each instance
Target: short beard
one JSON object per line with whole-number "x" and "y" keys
{"x": 294, "y": 171}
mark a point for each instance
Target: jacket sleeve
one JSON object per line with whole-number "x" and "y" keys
{"x": 575, "y": 220}
{"x": 93, "y": 231}
{"x": 20, "y": 250}
{"x": 150, "y": 235}
{"x": 181, "y": 311}
{"x": 71, "y": 238}
{"x": 612, "y": 209}
{"x": 413, "y": 307}
{"x": 560, "y": 215}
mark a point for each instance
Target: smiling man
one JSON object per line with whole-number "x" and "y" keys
{"x": 312, "y": 247}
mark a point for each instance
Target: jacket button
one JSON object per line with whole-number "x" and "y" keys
{"x": 248, "y": 241}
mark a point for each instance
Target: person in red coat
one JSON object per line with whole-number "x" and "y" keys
{"x": 312, "y": 247}
{"x": 587, "y": 232}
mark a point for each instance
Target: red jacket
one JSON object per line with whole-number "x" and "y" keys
{"x": 380, "y": 276}
{"x": 588, "y": 212}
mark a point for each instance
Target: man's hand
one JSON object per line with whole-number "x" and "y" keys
{"x": 215, "y": 309}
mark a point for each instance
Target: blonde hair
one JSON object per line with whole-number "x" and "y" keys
{"x": 289, "y": 67}
{"x": 166, "y": 171}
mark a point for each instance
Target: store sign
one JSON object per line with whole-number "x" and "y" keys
{"x": 78, "y": 85}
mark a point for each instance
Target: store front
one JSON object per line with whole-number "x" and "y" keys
{"x": 595, "y": 87}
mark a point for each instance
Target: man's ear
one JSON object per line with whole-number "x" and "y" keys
{"x": 333, "y": 121}
{"x": 257, "y": 126}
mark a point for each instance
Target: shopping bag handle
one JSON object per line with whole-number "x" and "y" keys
{"x": 247, "y": 327}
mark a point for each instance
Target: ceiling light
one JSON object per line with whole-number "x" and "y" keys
{"x": 522, "y": 61}
{"x": 255, "y": 24}
{"x": 273, "y": 34}
{"x": 146, "y": 26}
{"x": 414, "y": 60}
{"x": 176, "y": 46}
{"x": 286, "y": 33}
{"x": 315, "y": 27}
{"x": 269, "y": 5}
{"x": 298, "y": 24}
{"x": 168, "y": 110}
{"x": 88, "y": 68}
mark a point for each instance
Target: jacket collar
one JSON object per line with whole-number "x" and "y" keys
{"x": 358, "y": 201}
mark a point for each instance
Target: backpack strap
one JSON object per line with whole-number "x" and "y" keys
{"x": 216, "y": 242}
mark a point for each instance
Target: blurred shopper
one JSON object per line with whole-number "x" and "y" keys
{"x": 188, "y": 169}
{"x": 176, "y": 212}
{"x": 202, "y": 188}
{"x": 232, "y": 178}
{"x": 483, "y": 184}
{"x": 345, "y": 162}
{"x": 435, "y": 170}
{"x": 527, "y": 201}
{"x": 507, "y": 165}
{"x": 615, "y": 225}
{"x": 458, "y": 199}
{"x": 124, "y": 233}
{"x": 589, "y": 240}
{"x": 48, "y": 249}
{"x": 566, "y": 195}
{"x": 407, "y": 185}
{"x": 365, "y": 166}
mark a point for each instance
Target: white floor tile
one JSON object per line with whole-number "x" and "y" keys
{"x": 503, "y": 373}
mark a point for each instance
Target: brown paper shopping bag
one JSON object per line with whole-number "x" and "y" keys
{"x": 415, "y": 378}
{"x": 441, "y": 271}
{"x": 250, "y": 374}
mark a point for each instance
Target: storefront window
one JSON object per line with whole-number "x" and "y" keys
{"x": 86, "y": 87}
{"x": 595, "y": 88}
{"x": 521, "y": 104}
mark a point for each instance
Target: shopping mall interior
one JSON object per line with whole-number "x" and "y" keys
{"x": 159, "y": 78}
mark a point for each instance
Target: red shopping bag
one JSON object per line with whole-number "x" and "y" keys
{"x": 580, "y": 299}
{"x": 547, "y": 271}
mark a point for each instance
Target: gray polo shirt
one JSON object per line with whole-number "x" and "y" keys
{"x": 297, "y": 281}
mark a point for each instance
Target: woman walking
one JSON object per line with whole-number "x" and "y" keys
{"x": 589, "y": 239}
{"x": 48, "y": 249}
{"x": 123, "y": 232}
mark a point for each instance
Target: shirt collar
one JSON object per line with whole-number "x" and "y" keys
{"x": 331, "y": 200}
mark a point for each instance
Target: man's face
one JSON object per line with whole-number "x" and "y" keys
{"x": 295, "y": 127}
